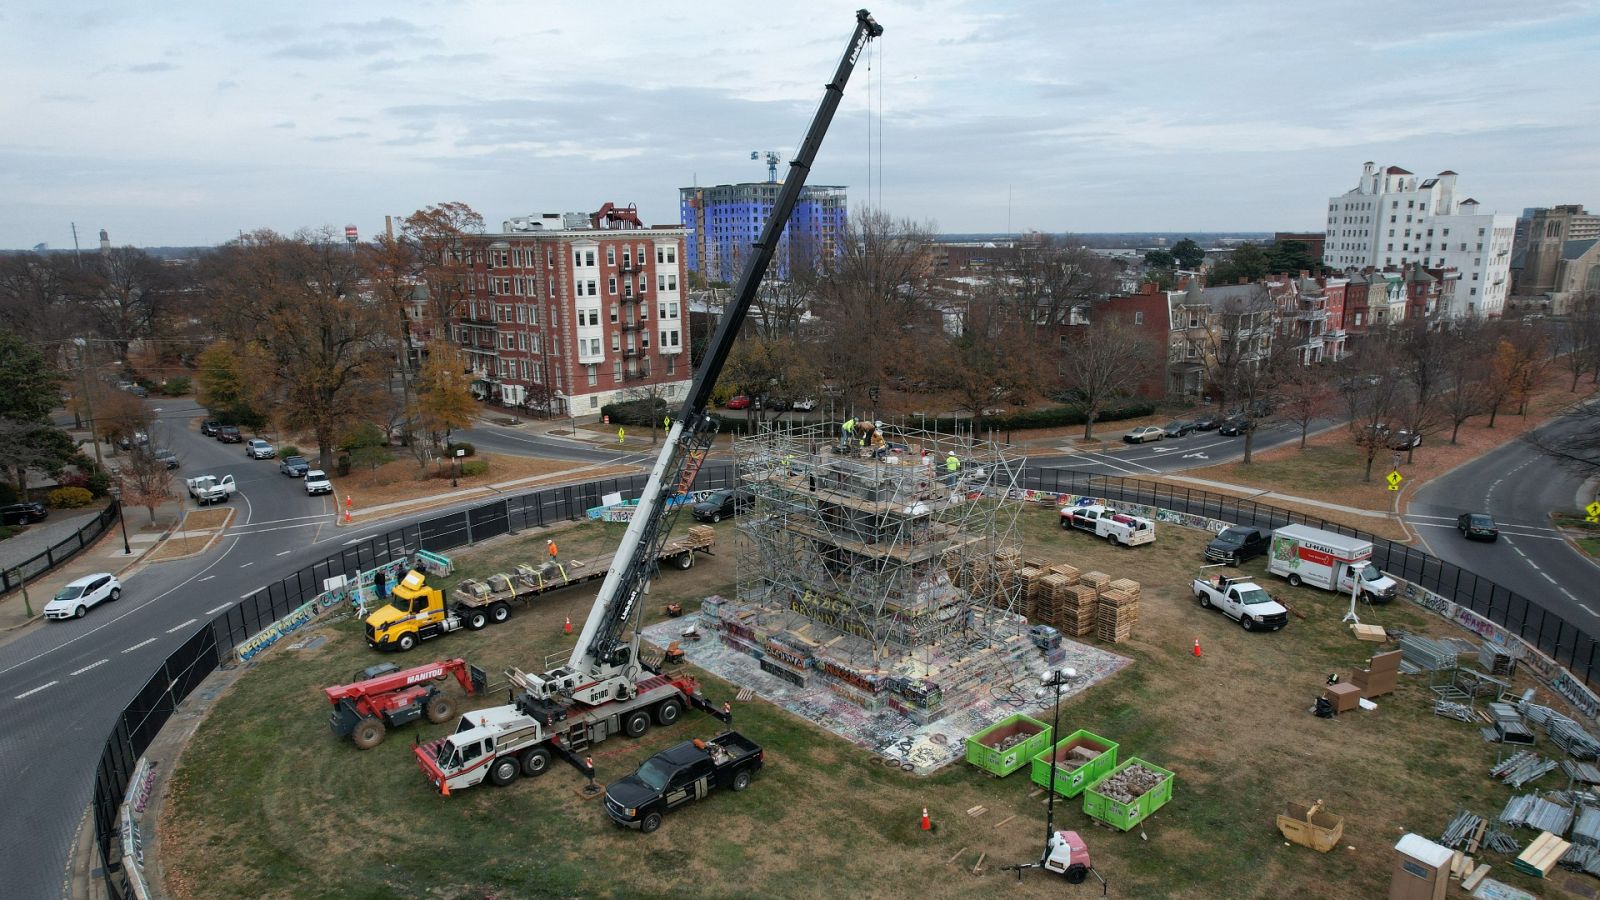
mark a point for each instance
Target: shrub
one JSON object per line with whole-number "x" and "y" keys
{"x": 450, "y": 449}
{"x": 371, "y": 457}
{"x": 288, "y": 450}
{"x": 640, "y": 413}
{"x": 364, "y": 435}
{"x": 70, "y": 498}
{"x": 474, "y": 467}
{"x": 175, "y": 387}
{"x": 99, "y": 483}
{"x": 74, "y": 479}
{"x": 9, "y": 531}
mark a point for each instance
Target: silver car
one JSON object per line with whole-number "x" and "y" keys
{"x": 256, "y": 448}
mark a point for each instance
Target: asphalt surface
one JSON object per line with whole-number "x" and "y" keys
{"x": 1519, "y": 488}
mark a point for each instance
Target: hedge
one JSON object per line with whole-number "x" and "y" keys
{"x": 70, "y": 498}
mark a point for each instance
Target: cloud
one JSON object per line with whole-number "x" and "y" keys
{"x": 346, "y": 136}
{"x": 146, "y": 68}
{"x": 312, "y": 50}
{"x": 65, "y": 98}
{"x": 227, "y": 84}
{"x": 283, "y": 124}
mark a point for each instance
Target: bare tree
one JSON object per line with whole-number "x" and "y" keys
{"x": 1579, "y": 341}
{"x": 145, "y": 481}
{"x": 1515, "y": 366}
{"x": 1422, "y": 355}
{"x": 1466, "y": 371}
{"x": 1244, "y": 360}
{"x": 1105, "y": 361}
{"x": 1372, "y": 395}
{"x": 125, "y": 290}
{"x": 993, "y": 355}
{"x": 37, "y": 296}
{"x": 442, "y": 258}
{"x": 1305, "y": 396}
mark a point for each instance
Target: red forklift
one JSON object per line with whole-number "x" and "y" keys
{"x": 386, "y": 696}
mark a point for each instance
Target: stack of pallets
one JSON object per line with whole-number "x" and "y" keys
{"x": 1131, "y": 588}
{"x": 1030, "y": 577}
{"x": 1077, "y": 610}
{"x": 1114, "y": 615}
{"x": 1045, "y": 603}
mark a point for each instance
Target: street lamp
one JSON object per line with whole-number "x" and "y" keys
{"x": 1057, "y": 679}
{"x": 122, "y": 520}
{"x": 454, "y": 477}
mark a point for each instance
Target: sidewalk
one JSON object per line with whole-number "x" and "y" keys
{"x": 104, "y": 555}
{"x": 1254, "y": 493}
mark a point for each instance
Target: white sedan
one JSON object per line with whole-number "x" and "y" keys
{"x": 72, "y": 601}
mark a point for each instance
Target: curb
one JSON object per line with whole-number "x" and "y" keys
{"x": 215, "y": 536}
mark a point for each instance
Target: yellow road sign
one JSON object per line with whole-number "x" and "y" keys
{"x": 1394, "y": 480}
{"x": 1593, "y": 510}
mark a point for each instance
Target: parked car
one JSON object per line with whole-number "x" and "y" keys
{"x": 739, "y": 401}
{"x": 229, "y": 434}
{"x": 137, "y": 390}
{"x": 72, "y": 601}
{"x": 317, "y": 482}
{"x": 1178, "y": 428}
{"x": 209, "y": 427}
{"x": 23, "y": 513}
{"x": 1477, "y": 526}
{"x": 294, "y": 466}
{"x": 137, "y": 439}
{"x": 721, "y": 505}
{"x": 259, "y": 449}
{"x": 1143, "y": 433}
{"x": 806, "y": 405}
{"x": 168, "y": 457}
{"x": 1207, "y": 422}
{"x": 1236, "y": 424}
{"x": 1404, "y": 439}
{"x": 1237, "y": 544}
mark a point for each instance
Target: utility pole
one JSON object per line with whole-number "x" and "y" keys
{"x": 77, "y": 253}
{"x": 88, "y": 404}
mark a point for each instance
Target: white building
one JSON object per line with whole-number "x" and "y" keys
{"x": 1393, "y": 218}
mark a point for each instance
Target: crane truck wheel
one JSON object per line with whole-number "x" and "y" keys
{"x": 477, "y": 619}
{"x": 440, "y": 709}
{"x": 535, "y": 762}
{"x": 504, "y": 770}
{"x": 368, "y": 733}
{"x": 1076, "y": 873}
{"x": 636, "y": 724}
{"x": 650, "y": 823}
{"x": 1294, "y": 580}
{"x": 499, "y": 613}
{"x": 684, "y": 561}
{"x": 668, "y": 712}
{"x": 406, "y": 642}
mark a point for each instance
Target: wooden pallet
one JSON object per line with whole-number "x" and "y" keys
{"x": 1542, "y": 855}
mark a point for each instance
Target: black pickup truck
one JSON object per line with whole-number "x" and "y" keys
{"x": 679, "y": 775}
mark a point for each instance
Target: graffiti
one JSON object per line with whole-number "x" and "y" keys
{"x": 274, "y": 632}
{"x": 1576, "y": 694}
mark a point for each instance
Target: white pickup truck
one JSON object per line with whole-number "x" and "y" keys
{"x": 1118, "y": 528}
{"x": 1243, "y": 600}
{"x": 211, "y": 489}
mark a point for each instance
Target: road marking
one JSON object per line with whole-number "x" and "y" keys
{"x": 353, "y": 541}
{"x": 286, "y": 553}
{"x": 1549, "y": 579}
{"x": 252, "y": 593}
{"x": 1195, "y": 456}
{"x": 1586, "y": 609}
{"x": 207, "y": 578}
{"x": 212, "y": 612}
{"x": 247, "y": 565}
{"x": 140, "y": 644}
{"x": 181, "y": 627}
{"x": 36, "y": 690}
{"x": 88, "y": 667}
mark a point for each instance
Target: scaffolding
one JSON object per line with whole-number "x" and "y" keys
{"x": 872, "y": 567}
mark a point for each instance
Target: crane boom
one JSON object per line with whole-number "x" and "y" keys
{"x": 604, "y": 663}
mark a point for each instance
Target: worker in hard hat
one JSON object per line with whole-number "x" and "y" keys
{"x": 846, "y": 432}
{"x": 952, "y": 468}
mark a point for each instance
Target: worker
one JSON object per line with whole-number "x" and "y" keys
{"x": 879, "y": 446}
{"x": 952, "y": 466}
{"x": 551, "y": 546}
{"x": 846, "y": 431}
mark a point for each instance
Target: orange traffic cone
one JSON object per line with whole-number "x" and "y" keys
{"x": 1197, "y": 647}
{"x": 567, "y": 628}
{"x": 444, "y": 788}
{"x": 927, "y": 824}
{"x": 347, "y": 516}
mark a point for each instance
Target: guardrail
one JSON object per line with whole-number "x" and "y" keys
{"x": 207, "y": 649}
{"x": 12, "y": 577}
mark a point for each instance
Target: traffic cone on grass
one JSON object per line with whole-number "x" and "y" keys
{"x": 567, "y": 628}
{"x": 1197, "y": 648}
{"x": 927, "y": 824}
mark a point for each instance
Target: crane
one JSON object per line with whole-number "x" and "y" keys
{"x": 604, "y": 665}
{"x": 772, "y": 163}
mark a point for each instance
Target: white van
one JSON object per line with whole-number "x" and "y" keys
{"x": 1328, "y": 560}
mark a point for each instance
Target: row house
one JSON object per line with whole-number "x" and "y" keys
{"x": 1312, "y": 315}
{"x": 564, "y": 315}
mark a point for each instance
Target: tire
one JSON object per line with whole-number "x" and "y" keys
{"x": 741, "y": 779}
{"x": 685, "y": 561}
{"x": 1247, "y": 623}
{"x": 504, "y": 770}
{"x": 440, "y": 709}
{"x": 116, "y": 594}
{"x": 368, "y": 733}
{"x": 78, "y": 613}
{"x": 535, "y": 761}
{"x": 668, "y": 711}
{"x": 499, "y": 612}
{"x": 1294, "y": 580}
{"x": 476, "y": 620}
{"x": 1076, "y": 873}
{"x": 1204, "y": 598}
{"x": 716, "y": 517}
{"x": 636, "y": 723}
{"x": 406, "y": 642}
{"x": 651, "y": 823}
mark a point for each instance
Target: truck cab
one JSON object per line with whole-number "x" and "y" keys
{"x": 414, "y": 613}
{"x": 497, "y": 744}
{"x": 680, "y": 775}
{"x": 1084, "y": 518}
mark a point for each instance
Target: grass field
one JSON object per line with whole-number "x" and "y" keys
{"x": 266, "y": 802}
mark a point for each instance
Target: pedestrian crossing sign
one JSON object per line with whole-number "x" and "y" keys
{"x": 1593, "y": 509}
{"x": 1394, "y": 480}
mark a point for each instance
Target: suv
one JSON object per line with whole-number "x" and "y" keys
{"x": 294, "y": 466}
{"x": 229, "y": 434}
{"x": 720, "y": 505}
{"x": 22, "y": 513}
{"x": 1236, "y": 544}
{"x": 209, "y": 427}
{"x": 1477, "y": 525}
{"x": 317, "y": 483}
{"x": 167, "y": 457}
{"x": 259, "y": 449}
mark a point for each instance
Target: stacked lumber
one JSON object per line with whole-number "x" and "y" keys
{"x": 1114, "y": 615}
{"x": 1076, "y": 610}
{"x": 1131, "y": 588}
{"x": 1070, "y": 573}
{"x": 1097, "y": 580}
{"x": 702, "y": 533}
{"x": 1046, "y": 598}
{"x": 1035, "y": 562}
{"x": 1542, "y": 855}
{"x": 1031, "y": 577}
{"x": 1008, "y": 556}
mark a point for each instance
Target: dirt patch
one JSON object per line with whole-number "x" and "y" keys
{"x": 180, "y": 548}
{"x": 206, "y": 519}
{"x": 402, "y": 481}
{"x": 199, "y": 528}
{"x": 1384, "y": 527}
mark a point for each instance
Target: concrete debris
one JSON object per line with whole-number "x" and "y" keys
{"x": 1129, "y": 784}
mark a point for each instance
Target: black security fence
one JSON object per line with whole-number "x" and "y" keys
{"x": 1564, "y": 642}
{"x": 13, "y": 576}
{"x": 138, "y": 724}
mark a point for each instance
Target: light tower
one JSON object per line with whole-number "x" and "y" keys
{"x": 772, "y": 163}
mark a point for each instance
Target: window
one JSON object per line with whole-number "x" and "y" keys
{"x": 552, "y": 287}
{"x": 533, "y": 343}
{"x": 613, "y": 314}
{"x": 616, "y": 370}
{"x": 594, "y": 401}
{"x": 611, "y": 256}
{"x": 577, "y": 257}
{"x": 644, "y": 283}
{"x": 594, "y": 317}
{"x": 672, "y": 361}
{"x": 550, "y": 257}
{"x": 616, "y": 342}
{"x": 627, "y": 258}
{"x": 611, "y": 286}
{"x": 1138, "y": 318}
{"x": 533, "y": 315}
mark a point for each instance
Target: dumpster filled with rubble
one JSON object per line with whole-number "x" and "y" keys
{"x": 1129, "y": 793}
{"x": 1008, "y": 745}
{"x": 1080, "y": 759}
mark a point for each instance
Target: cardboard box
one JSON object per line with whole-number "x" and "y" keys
{"x": 1370, "y": 633}
{"x": 1344, "y": 697}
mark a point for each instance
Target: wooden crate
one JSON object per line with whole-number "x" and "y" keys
{"x": 1542, "y": 855}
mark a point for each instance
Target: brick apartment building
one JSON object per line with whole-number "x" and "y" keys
{"x": 564, "y": 315}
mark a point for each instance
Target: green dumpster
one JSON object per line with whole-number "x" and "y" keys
{"x": 1127, "y": 796}
{"x": 1007, "y": 745}
{"x": 1081, "y": 758}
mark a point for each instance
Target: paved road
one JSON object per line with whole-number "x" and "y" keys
{"x": 1196, "y": 450}
{"x": 1518, "y": 487}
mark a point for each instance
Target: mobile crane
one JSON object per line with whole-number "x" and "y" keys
{"x": 604, "y": 684}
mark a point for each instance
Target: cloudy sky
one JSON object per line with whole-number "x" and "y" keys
{"x": 183, "y": 123}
